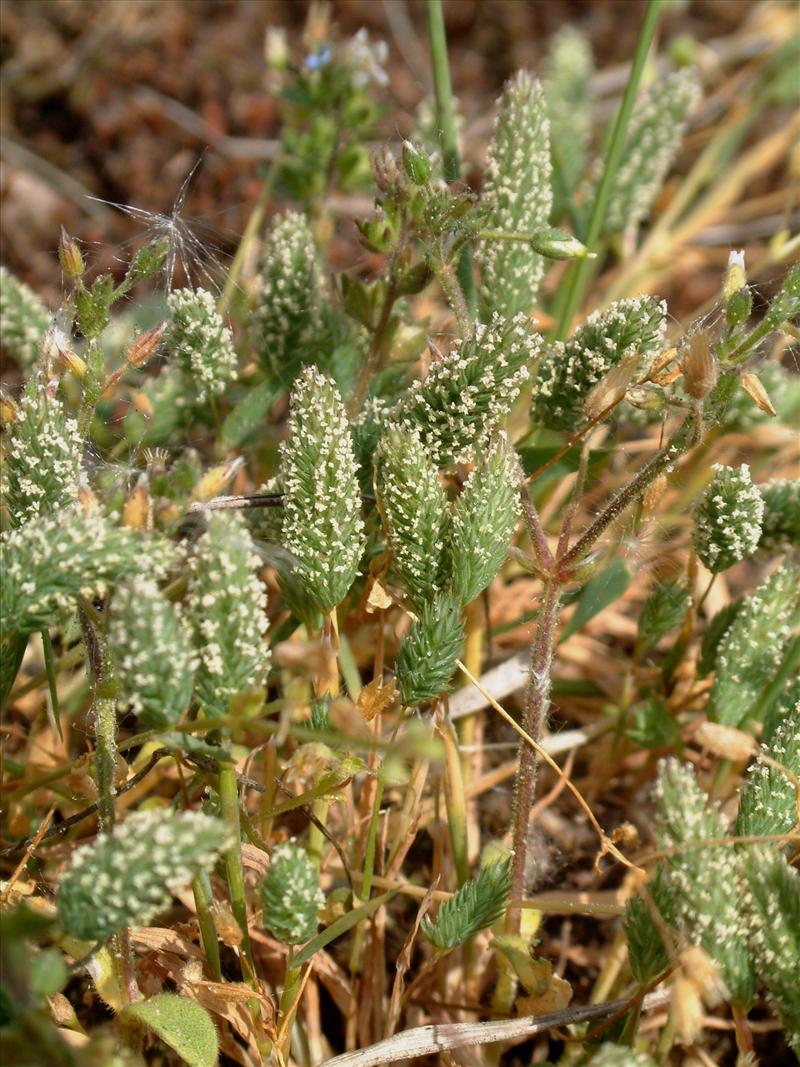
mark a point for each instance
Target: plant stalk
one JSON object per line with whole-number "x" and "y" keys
{"x": 201, "y": 887}
{"x": 537, "y": 704}
{"x": 234, "y": 868}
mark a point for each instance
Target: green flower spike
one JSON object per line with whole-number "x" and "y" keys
{"x": 654, "y": 137}
{"x": 43, "y": 456}
{"x": 484, "y": 518}
{"x": 749, "y": 653}
{"x": 774, "y": 904}
{"x": 24, "y": 319}
{"x": 768, "y": 801}
{"x": 288, "y": 315}
{"x": 51, "y": 561}
{"x": 291, "y": 896}
{"x": 569, "y": 371}
{"x": 727, "y": 520}
{"x": 469, "y": 392}
{"x": 201, "y": 342}
{"x": 518, "y": 196}
{"x": 427, "y": 657}
{"x": 477, "y": 904}
{"x": 703, "y": 881}
{"x": 152, "y": 651}
{"x": 322, "y": 524}
{"x": 414, "y": 505}
{"x": 226, "y": 608}
{"x": 568, "y": 70}
{"x": 128, "y": 877}
{"x": 780, "y": 525}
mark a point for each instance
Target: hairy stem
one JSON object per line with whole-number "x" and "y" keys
{"x": 537, "y": 704}
{"x": 579, "y": 271}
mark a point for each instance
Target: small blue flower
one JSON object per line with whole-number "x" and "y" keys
{"x": 319, "y": 59}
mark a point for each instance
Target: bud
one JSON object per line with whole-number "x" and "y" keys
{"x": 751, "y": 384}
{"x": 8, "y": 409}
{"x": 414, "y": 279}
{"x": 214, "y": 481}
{"x": 654, "y": 492}
{"x": 137, "y": 511}
{"x": 69, "y": 255}
{"x": 384, "y": 167}
{"x": 142, "y": 348}
{"x": 699, "y": 367}
{"x": 149, "y": 260}
{"x": 276, "y": 49}
{"x": 558, "y": 244}
{"x": 416, "y": 164}
{"x": 735, "y": 277}
{"x": 611, "y": 388}
{"x": 87, "y": 498}
{"x": 739, "y": 306}
{"x": 143, "y": 404}
{"x": 726, "y": 741}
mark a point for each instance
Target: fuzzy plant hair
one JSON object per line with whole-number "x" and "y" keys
{"x": 322, "y": 525}
{"x": 288, "y": 316}
{"x": 468, "y": 393}
{"x": 480, "y": 902}
{"x": 568, "y": 372}
{"x": 768, "y": 799}
{"x": 43, "y": 454}
{"x": 200, "y": 342}
{"x": 24, "y": 319}
{"x": 128, "y": 877}
{"x": 152, "y": 650}
{"x": 226, "y": 609}
{"x": 517, "y": 196}
{"x": 728, "y": 518}
{"x": 291, "y": 895}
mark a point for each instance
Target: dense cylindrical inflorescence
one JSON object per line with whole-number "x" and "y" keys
{"x": 24, "y": 319}
{"x": 128, "y": 877}
{"x": 291, "y": 895}
{"x": 226, "y": 608}
{"x": 727, "y": 519}
{"x": 414, "y": 506}
{"x": 703, "y": 882}
{"x": 152, "y": 650}
{"x": 780, "y": 523}
{"x": 477, "y": 904}
{"x": 468, "y": 393}
{"x": 484, "y": 519}
{"x": 569, "y": 371}
{"x": 568, "y": 69}
{"x": 518, "y": 196}
{"x": 53, "y": 560}
{"x": 427, "y": 657}
{"x": 753, "y": 645}
{"x": 768, "y": 801}
{"x": 322, "y": 525}
{"x": 288, "y": 316}
{"x": 654, "y": 136}
{"x": 43, "y": 456}
{"x": 200, "y": 341}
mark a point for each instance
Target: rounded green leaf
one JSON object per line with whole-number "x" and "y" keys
{"x": 180, "y": 1023}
